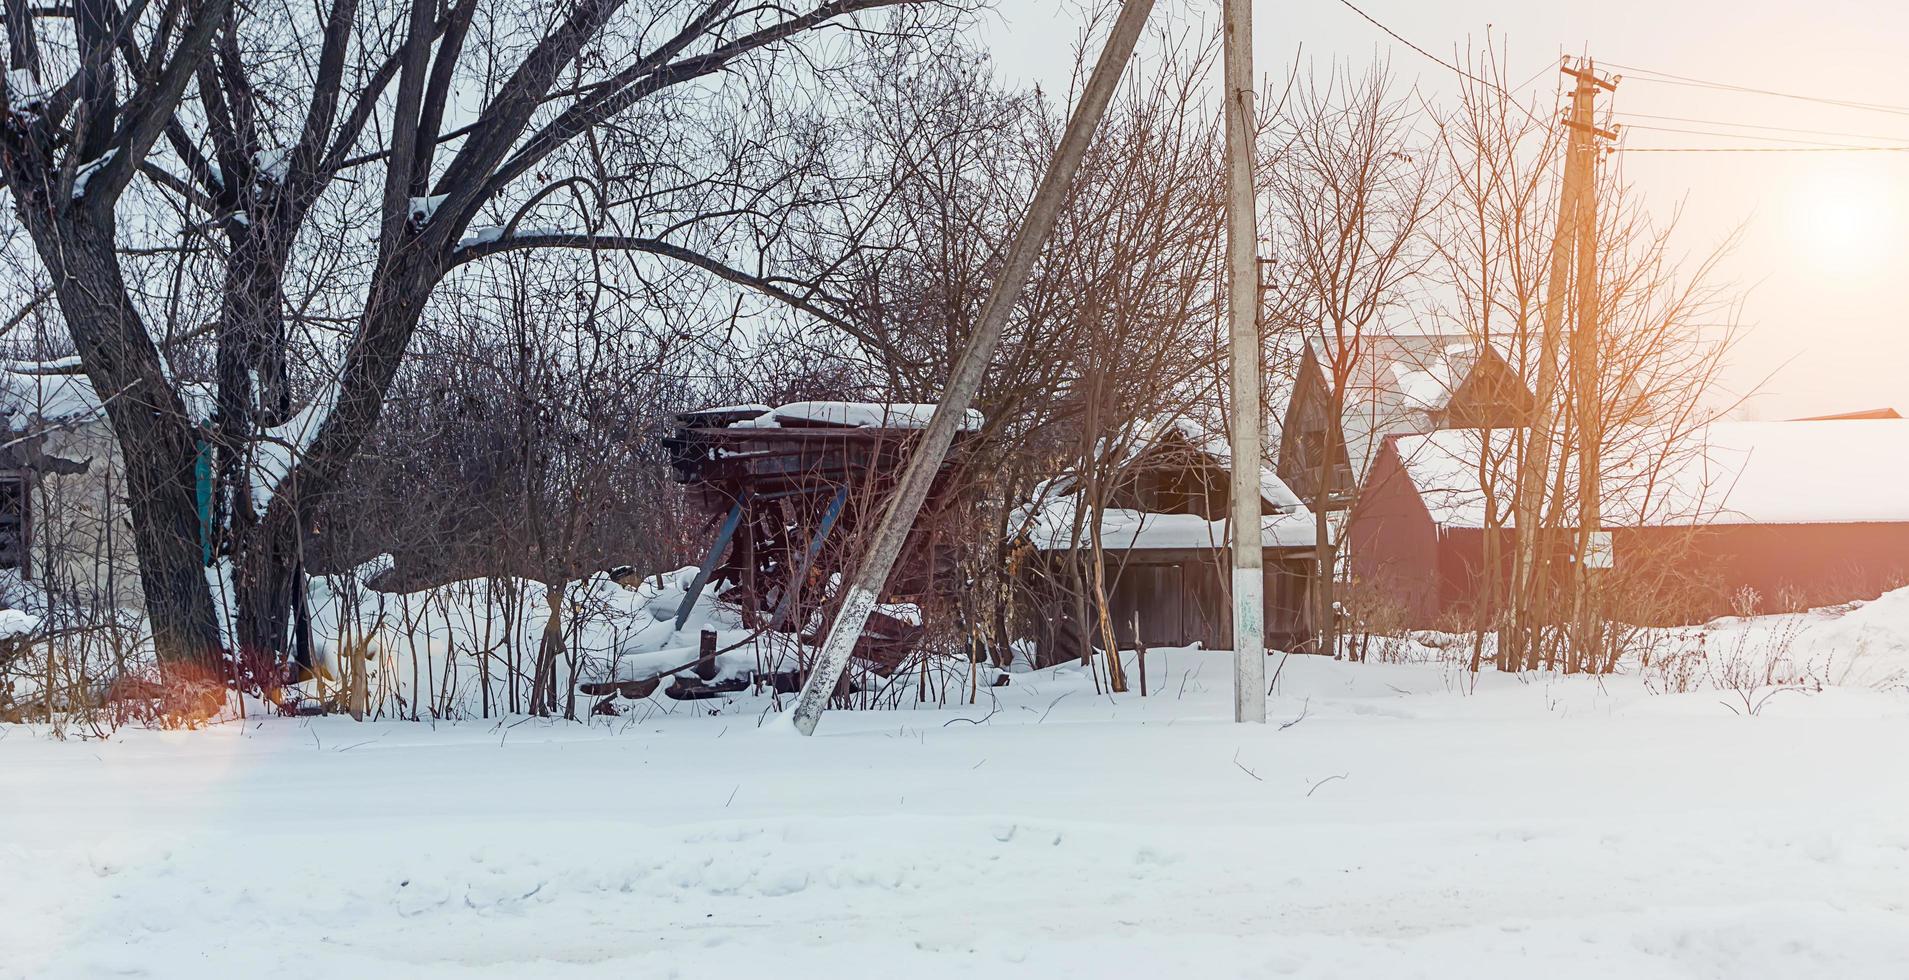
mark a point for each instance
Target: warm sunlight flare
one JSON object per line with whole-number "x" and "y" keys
{"x": 1845, "y": 218}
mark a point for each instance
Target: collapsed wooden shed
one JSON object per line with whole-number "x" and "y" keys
{"x": 789, "y": 493}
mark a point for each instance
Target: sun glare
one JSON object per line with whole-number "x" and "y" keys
{"x": 1844, "y": 219}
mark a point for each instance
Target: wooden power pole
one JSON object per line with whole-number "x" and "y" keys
{"x": 1592, "y": 549}
{"x": 903, "y": 507}
{"x": 1242, "y": 315}
{"x": 1575, "y": 237}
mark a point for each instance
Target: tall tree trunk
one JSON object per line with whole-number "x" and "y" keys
{"x": 252, "y": 395}
{"x": 266, "y": 547}
{"x": 156, "y": 438}
{"x": 265, "y": 583}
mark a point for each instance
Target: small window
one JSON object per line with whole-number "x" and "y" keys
{"x": 13, "y": 522}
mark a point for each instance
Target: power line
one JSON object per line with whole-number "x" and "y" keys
{"x": 1761, "y": 149}
{"x": 1448, "y": 66}
{"x": 1540, "y": 73}
{"x": 1777, "y": 129}
{"x": 1733, "y": 136}
{"x": 1803, "y": 146}
{"x": 1396, "y": 36}
{"x": 1667, "y": 78}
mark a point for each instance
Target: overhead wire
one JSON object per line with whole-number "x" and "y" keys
{"x": 1760, "y": 149}
{"x": 1669, "y": 78}
{"x": 1449, "y": 66}
{"x": 1893, "y": 144}
{"x": 1396, "y": 36}
{"x": 1776, "y": 129}
{"x": 1734, "y": 136}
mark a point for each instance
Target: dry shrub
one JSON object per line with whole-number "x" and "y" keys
{"x": 1377, "y": 624}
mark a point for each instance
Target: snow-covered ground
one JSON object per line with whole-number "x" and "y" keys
{"x": 1392, "y": 822}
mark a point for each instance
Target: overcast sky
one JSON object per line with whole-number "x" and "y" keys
{"x": 1824, "y": 256}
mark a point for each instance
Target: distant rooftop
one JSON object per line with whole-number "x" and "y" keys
{"x": 1884, "y": 412}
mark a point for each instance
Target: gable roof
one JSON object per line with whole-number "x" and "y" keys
{"x": 1285, "y": 523}
{"x": 27, "y": 397}
{"x": 1160, "y": 435}
{"x": 1405, "y": 381}
{"x": 34, "y": 396}
{"x": 1123, "y": 530}
{"x": 846, "y": 415}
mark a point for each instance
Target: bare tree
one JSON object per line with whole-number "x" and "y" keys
{"x": 1115, "y": 333}
{"x": 1493, "y": 237}
{"x": 446, "y": 116}
{"x": 1656, "y": 374}
{"x": 1351, "y": 191}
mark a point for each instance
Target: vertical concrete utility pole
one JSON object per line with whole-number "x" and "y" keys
{"x": 872, "y": 575}
{"x": 1242, "y": 328}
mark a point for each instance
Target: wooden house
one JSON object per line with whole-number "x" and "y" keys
{"x": 1313, "y": 440}
{"x": 1401, "y": 384}
{"x": 1165, "y": 552}
{"x": 64, "y": 521}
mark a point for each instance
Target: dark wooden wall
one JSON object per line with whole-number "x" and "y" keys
{"x": 1490, "y": 396}
{"x": 1181, "y": 598}
{"x": 1310, "y": 431}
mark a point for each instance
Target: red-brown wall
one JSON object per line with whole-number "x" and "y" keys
{"x": 1663, "y": 575}
{"x": 1787, "y": 564}
{"x": 1395, "y": 545}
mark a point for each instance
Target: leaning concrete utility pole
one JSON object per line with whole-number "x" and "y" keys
{"x": 1242, "y": 328}
{"x": 926, "y": 461}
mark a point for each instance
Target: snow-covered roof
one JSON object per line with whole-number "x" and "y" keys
{"x": 1202, "y": 439}
{"x": 1050, "y": 523}
{"x": 1213, "y": 443}
{"x": 1827, "y": 472}
{"x": 29, "y": 397}
{"x": 861, "y": 415}
{"x": 34, "y": 393}
{"x": 1428, "y": 386}
{"x": 1121, "y": 530}
{"x": 1399, "y": 379}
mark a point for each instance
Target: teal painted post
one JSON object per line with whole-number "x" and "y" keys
{"x": 202, "y": 492}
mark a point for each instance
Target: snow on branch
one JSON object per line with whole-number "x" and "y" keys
{"x": 84, "y": 175}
